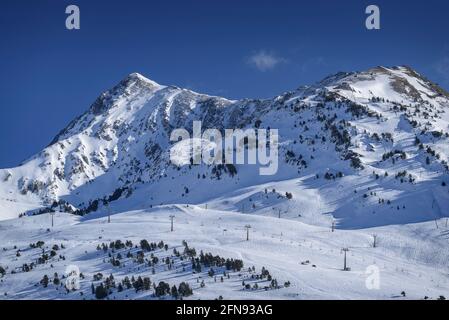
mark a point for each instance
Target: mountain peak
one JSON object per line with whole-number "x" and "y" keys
{"x": 135, "y": 76}
{"x": 398, "y": 83}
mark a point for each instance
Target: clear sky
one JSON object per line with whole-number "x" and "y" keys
{"x": 232, "y": 48}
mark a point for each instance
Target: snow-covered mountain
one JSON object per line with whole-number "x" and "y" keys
{"x": 369, "y": 148}
{"x": 362, "y": 166}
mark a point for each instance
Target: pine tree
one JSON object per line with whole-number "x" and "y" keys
{"x": 56, "y": 280}
{"x": 44, "y": 281}
{"x": 146, "y": 283}
{"x": 138, "y": 285}
{"x": 184, "y": 289}
{"x": 101, "y": 292}
{"x": 127, "y": 283}
{"x": 145, "y": 245}
{"x": 174, "y": 292}
{"x": 162, "y": 289}
{"x": 2, "y": 271}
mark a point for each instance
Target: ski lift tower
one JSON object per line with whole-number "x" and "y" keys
{"x": 171, "y": 219}
{"x": 247, "y": 227}
{"x": 345, "y": 267}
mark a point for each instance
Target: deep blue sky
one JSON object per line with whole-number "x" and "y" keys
{"x": 49, "y": 75}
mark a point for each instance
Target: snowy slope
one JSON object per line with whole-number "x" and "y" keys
{"x": 412, "y": 259}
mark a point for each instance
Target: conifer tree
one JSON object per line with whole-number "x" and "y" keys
{"x": 174, "y": 292}
{"x": 101, "y": 292}
{"x": 44, "y": 281}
